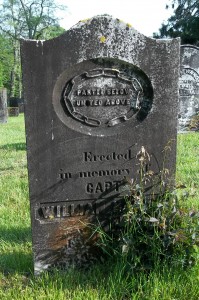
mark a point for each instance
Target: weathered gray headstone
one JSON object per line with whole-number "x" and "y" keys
{"x": 189, "y": 85}
{"x": 17, "y": 102}
{"x": 3, "y": 106}
{"x": 13, "y": 111}
{"x": 21, "y": 108}
{"x": 93, "y": 97}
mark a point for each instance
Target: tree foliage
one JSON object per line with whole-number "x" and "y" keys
{"x": 183, "y": 23}
{"x": 29, "y": 19}
{"x": 6, "y": 61}
{"x": 51, "y": 32}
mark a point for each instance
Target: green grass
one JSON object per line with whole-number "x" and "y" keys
{"x": 188, "y": 166}
{"x": 107, "y": 281}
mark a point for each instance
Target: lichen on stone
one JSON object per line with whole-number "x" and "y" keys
{"x": 120, "y": 21}
{"x": 128, "y": 25}
{"x": 85, "y": 20}
{"x": 102, "y": 39}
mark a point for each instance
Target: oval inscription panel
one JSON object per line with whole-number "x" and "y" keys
{"x": 102, "y": 97}
{"x": 98, "y": 100}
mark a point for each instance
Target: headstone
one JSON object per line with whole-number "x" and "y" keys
{"x": 189, "y": 86}
{"x": 21, "y": 107}
{"x": 3, "y": 106}
{"x": 17, "y": 102}
{"x": 93, "y": 97}
{"x": 13, "y": 102}
{"x": 13, "y": 111}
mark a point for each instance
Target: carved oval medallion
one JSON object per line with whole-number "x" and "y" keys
{"x": 102, "y": 97}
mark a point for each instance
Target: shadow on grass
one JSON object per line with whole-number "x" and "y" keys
{"x": 16, "y": 146}
{"x": 16, "y": 250}
{"x": 15, "y": 235}
{"x": 7, "y": 169}
{"x": 16, "y": 262}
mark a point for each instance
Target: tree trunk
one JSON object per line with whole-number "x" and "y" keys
{"x": 15, "y": 89}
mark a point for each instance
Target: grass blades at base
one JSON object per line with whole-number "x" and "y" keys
{"x": 187, "y": 175}
{"x": 110, "y": 280}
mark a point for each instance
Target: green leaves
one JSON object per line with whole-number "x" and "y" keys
{"x": 28, "y": 18}
{"x": 6, "y": 61}
{"x": 154, "y": 229}
{"x": 23, "y": 19}
{"x": 183, "y": 23}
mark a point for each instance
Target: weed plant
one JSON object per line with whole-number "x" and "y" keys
{"x": 154, "y": 230}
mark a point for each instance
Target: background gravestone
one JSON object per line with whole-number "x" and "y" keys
{"x": 189, "y": 86}
{"x": 16, "y": 102}
{"x": 93, "y": 96}
{"x": 3, "y": 106}
{"x": 13, "y": 111}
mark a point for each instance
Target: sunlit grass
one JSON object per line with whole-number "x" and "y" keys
{"x": 188, "y": 167}
{"x": 111, "y": 280}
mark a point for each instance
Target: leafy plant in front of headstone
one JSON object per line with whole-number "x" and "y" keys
{"x": 153, "y": 229}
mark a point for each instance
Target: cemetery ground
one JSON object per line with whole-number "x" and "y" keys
{"x": 109, "y": 280}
